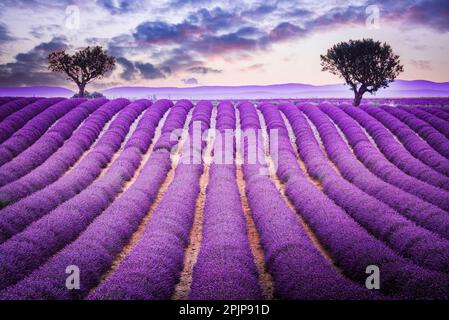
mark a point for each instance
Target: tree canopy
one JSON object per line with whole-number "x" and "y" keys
{"x": 366, "y": 65}
{"x": 83, "y": 66}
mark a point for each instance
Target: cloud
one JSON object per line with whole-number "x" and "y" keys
{"x": 56, "y": 44}
{"x": 30, "y": 68}
{"x": 285, "y": 31}
{"x": 4, "y": 34}
{"x": 215, "y": 19}
{"x": 116, "y": 7}
{"x": 129, "y": 70}
{"x": 119, "y": 45}
{"x": 231, "y": 42}
{"x": 43, "y": 31}
{"x": 337, "y": 17}
{"x": 183, "y": 3}
{"x": 160, "y": 32}
{"x": 190, "y": 81}
{"x": 299, "y": 13}
{"x": 211, "y": 32}
{"x": 248, "y": 31}
{"x": 432, "y": 13}
{"x": 149, "y": 71}
{"x": 134, "y": 69}
{"x": 203, "y": 70}
{"x": 198, "y": 25}
{"x": 259, "y": 11}
{"x": 25, "y": 4}
{"x": 429, "y": 13}
{"x": 178, "y": 59}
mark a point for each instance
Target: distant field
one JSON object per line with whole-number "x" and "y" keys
{"x": 258, "y": 199}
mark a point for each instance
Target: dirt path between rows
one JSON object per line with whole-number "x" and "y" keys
{"x": 265, "y": 279}
{"x": 182, "y": 289}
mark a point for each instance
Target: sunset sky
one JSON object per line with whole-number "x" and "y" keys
{"x": 198, "y": 42}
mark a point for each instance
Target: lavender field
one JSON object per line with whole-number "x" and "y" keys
{"x": 223, "y": 200}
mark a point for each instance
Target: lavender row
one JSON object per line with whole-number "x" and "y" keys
{"x": 376, "y": 163}
{"x": 413, "y": 208}
{"x": 32, "y": 156}
{"x": 152, "y": 269}
{"x": 434, "y": 138}
{"x": 27, "y": 250}
{"x": 350, "y": 245}
{"x": 165, "y": 141}
{"x": 12, "y": 105}
{"x": 4, "y": 100}
{"x": 15, "y": 121}
{"x": 439, "y": 112}
{"x": 64, "y": 158}
{"x": 439, "y": 124}
{"x": 225, "y": 268}
{"x": 422, "y": 212}
{"x": 298, "y": 269}
{"x": 19, "y": 215}
{"x": 33, "y": 130}
{"x": 395, "y": 151}
{"x": 96, "y": 248}
{"x": 402, "y": 235}
{"x": 416, "y": 146}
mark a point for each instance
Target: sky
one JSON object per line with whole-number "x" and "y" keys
{"x": 186, "y": 43}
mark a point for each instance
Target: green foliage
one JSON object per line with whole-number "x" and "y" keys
{"x": 82, "y": 67}
{"x": 89, "y": 95}
{"x": 366, "y": 65}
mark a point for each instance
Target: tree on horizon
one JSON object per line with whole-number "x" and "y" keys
{"x": 82, "y": 67}
{"x": 366, "y": 65}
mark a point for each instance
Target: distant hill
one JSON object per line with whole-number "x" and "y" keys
{"x": 399, "y": 88}
{"x": 35, "y": 92}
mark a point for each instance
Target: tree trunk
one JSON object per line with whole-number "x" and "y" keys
{"x": 81, "y": 91}
{"x": 357, "y": 98}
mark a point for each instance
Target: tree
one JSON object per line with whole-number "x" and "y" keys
{"x": 82, "y": 67}
{"x": 366, "y": 65}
